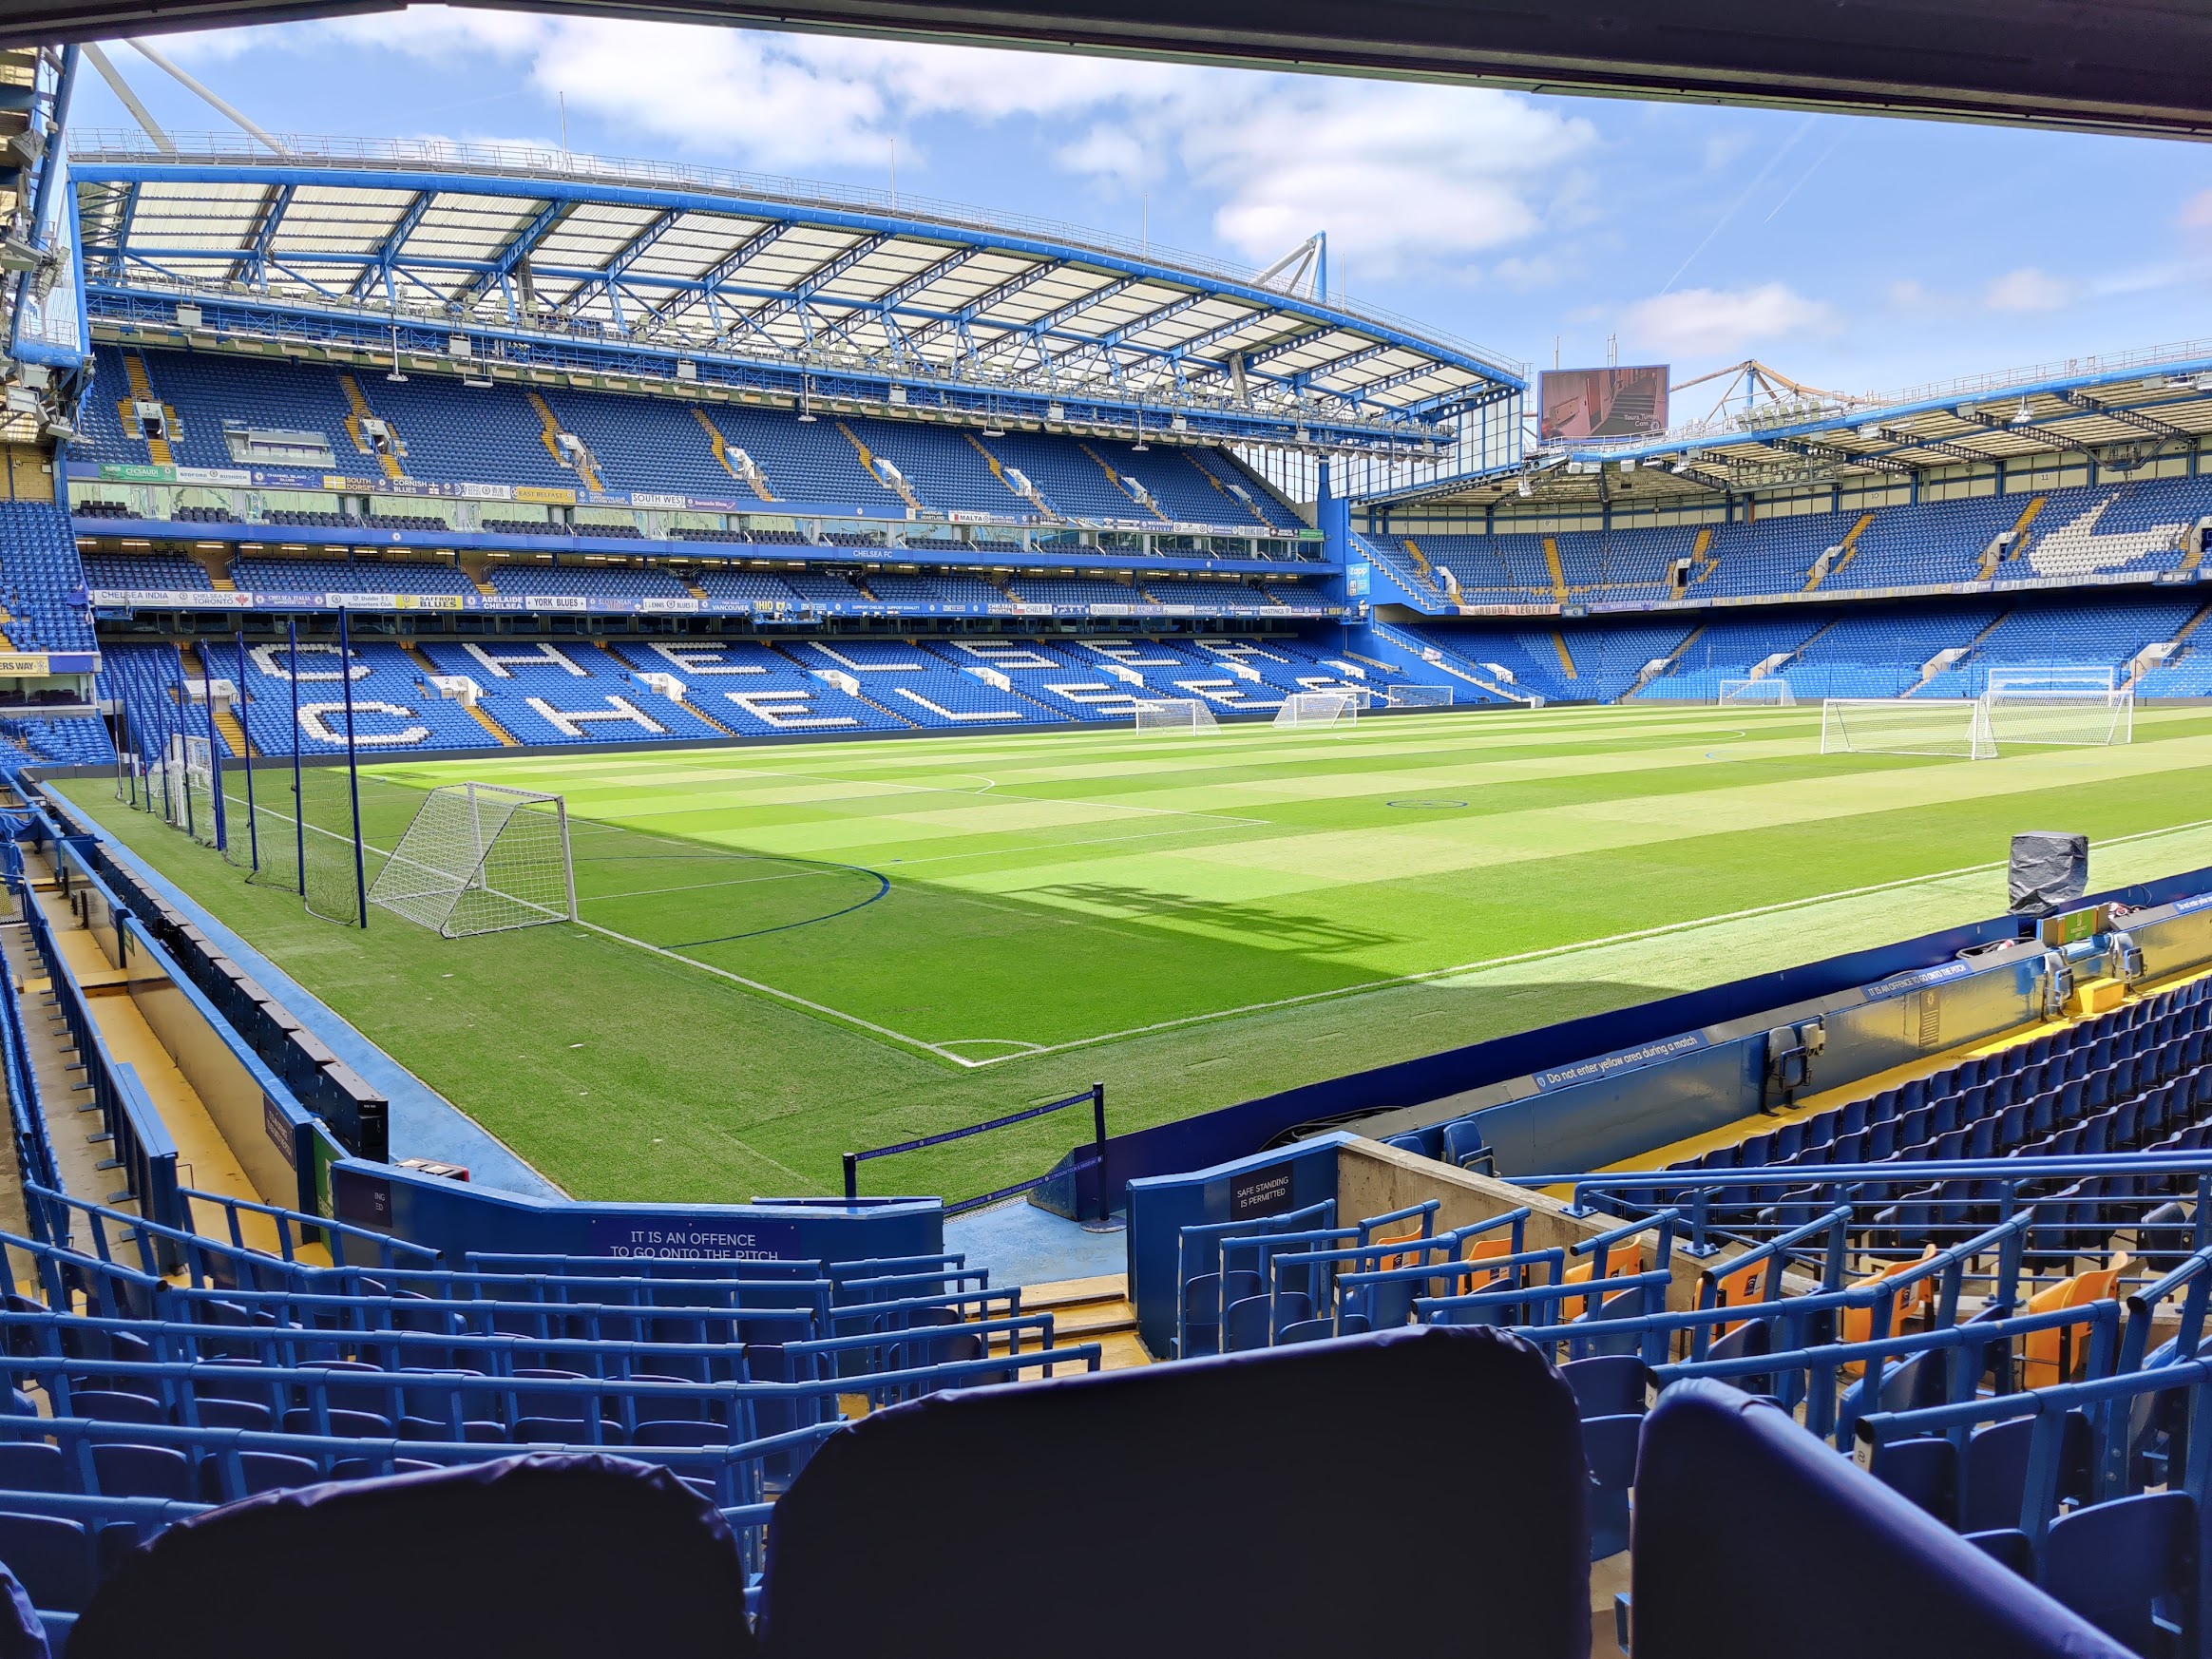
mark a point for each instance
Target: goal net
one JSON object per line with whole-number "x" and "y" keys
{"x": 1950, "y": 727}
{"x": 1418, "y": 697}
{"x": 181, "y": 786}
{"x": 1317, "y": 709}
{"x": 2080, "y": 707}
{"x": 478, "y": 858}
{"x": 1175, "y": 715}
{"x": 1771, "y": 690}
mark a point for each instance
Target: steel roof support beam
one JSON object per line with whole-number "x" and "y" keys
{"x": 272, "y": 215}
{"x": 387, "y": 254}
{"x": 707, "y": 286}
{"x": 123, "y": 223}
{"x": 501, "y": 266}
{"x": 886, "y": 303}
{"x": 1036, "y": 327}
{"x": 957, "y": 322}
{"x": 2048, "y": 434}
{"x": 2126, "y": 417}
{"x": 1939, "y": 447}
{"x": 802, "y": 297}
{"x": 623, "y": 257}
{"x": 1843, "y": 457}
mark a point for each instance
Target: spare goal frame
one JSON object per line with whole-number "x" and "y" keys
{"x": 1172, "y": 715}
{"x": 2084, "y": 707}
{"x": 1333, "y": 707}
{"x": 481, "y": 858}
{"x": 1770, "y": 690}
{"x": 1945, "y": 728}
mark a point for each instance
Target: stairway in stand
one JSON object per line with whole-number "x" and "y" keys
{"x": 1089, "y": 1310}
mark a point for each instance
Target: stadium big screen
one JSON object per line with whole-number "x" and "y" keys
{"x": 1602, "y": 402}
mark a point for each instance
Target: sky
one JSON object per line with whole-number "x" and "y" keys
{"x": 1852, "y": 254}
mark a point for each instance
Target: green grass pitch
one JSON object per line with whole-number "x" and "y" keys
{"x": 791, "y": 952}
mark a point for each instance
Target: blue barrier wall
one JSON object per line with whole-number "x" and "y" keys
{"x": 454, "y": 1218}
{"x": 1246, "y": 1188}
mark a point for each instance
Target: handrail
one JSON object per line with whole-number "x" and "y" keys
{"x": 388, "y": 1247}
{"x": 1665, "y": 1220}
{"x": 2195, "y": 1276}
{"x": 1777, "y": 1249}
{"x": 314, "y": 1380}
{"x": 1826, "y": 1416}
{"x": 2098, "y": 1396}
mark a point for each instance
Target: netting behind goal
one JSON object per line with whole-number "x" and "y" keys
{"x": 1418, "y": 697}
{"x": 1948, "y": 727}
{"x": 2079, "y": 707}
{"x": 1771, "y": 690}
{"x": 1317, "y": 709}
{"x": 1175, "y": 715}
{"x": 478, "y": 858}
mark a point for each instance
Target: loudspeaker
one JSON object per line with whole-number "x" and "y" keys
{"x": 2050, "y": 871}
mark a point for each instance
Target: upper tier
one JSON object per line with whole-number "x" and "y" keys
{"x": 220, "y": 411}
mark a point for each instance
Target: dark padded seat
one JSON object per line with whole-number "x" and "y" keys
{"x": 1191, "y": 1502}
{"x": 549, "y": 1556}
{"x": 1721, "y": 1479}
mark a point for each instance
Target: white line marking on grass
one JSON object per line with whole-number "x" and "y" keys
{"x": 812, "y": 1007}
{"x": 1558, "y": 950}
{"x": 767, "y": 990}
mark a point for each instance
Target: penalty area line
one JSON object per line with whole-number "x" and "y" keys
{"x": 822, "y": 1009}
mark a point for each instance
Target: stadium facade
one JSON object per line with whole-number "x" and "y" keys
{"x": 609, "y": 452}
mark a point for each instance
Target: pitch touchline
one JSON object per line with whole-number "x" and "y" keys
{"x": 1557, "y": 950}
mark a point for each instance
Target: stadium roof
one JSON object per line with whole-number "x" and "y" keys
{"x": 766, "y": 285}
{"x": 2130, "y": 66}
{"x": 2125, "y": 412}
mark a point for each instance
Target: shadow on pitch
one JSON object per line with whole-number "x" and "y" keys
{"x": 1314, "y": 933}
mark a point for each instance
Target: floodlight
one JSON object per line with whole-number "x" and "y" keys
{"x": 1523, "y": 486}
{"x": 2023, "y": 414}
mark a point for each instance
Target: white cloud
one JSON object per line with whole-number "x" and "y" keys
{"x": 1696, "y": 322}
{"x": 1397, "y": 174}
{"x": 1400, "y": 174}
{"x": 2029, "y": 289}
{"x": 2197, "y": 211}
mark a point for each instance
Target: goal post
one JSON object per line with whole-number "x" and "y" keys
{"x": 481, "y": 858}
{"x": 1318, "y": 709}
{"x": 1174, "y": 715}
{"x": 1948, "y": 728}
{"x": 1771, "y": 691}
{"x": 2074, "y": 707}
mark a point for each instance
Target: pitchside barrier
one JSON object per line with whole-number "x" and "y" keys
{"x": 1096, "y": 1096}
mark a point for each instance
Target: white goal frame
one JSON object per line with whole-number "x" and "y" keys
{"x": 481, "y": 858}
{"x": 1769, "y": 690}
{"x": 1173, "y": 714}
{"x": 1303, "y": 708}
{"x": 1946, "y": 728}
{"x": 2085, "y": 707}
{"x": 1416, "y": 696}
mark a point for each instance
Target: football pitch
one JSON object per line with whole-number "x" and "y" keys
{"x": 790, "y": 951}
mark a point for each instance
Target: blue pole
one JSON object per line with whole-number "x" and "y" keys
{"x": 352, "y": 769}
{"x": 253, "y": 820}
{"x": 298, "y": 796}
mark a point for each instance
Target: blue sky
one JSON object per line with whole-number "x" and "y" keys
{"x": 1854, "y": 254}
